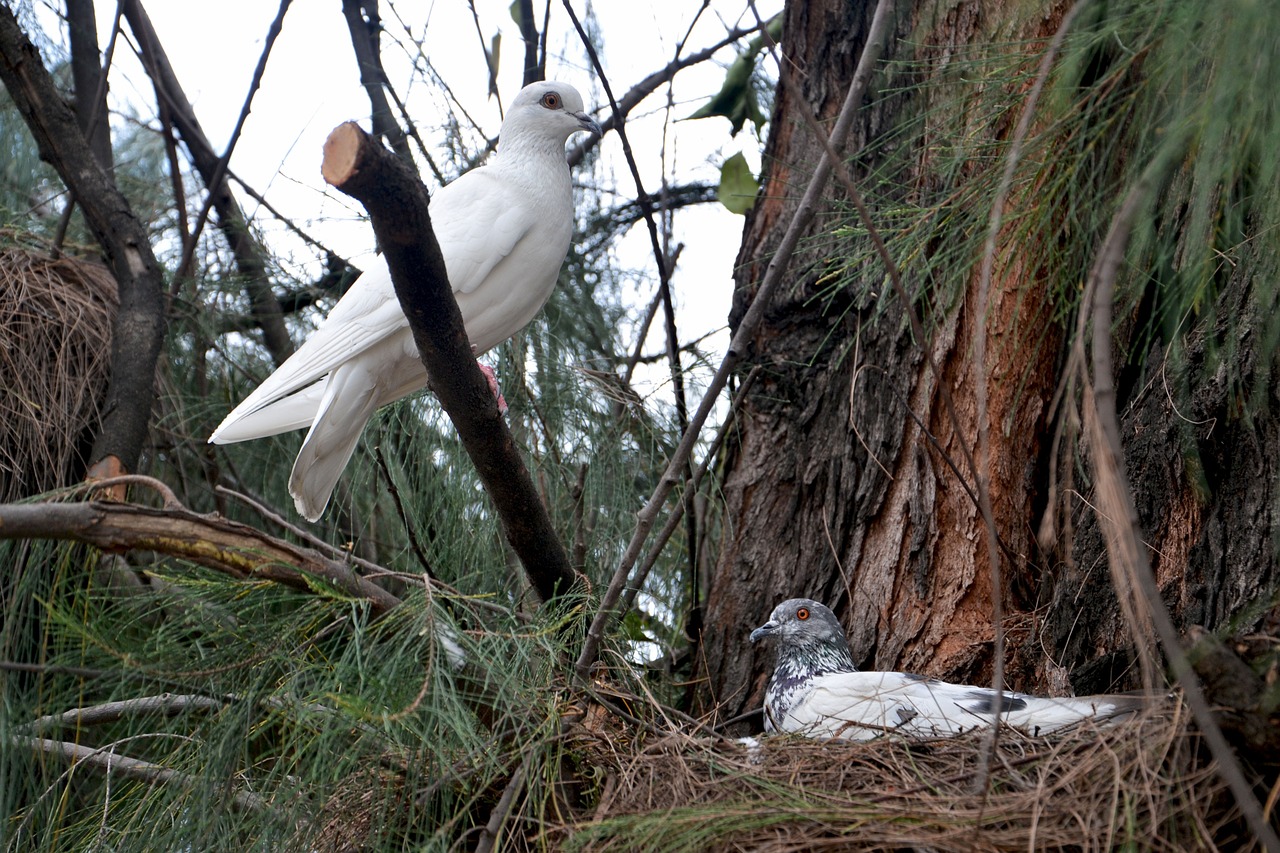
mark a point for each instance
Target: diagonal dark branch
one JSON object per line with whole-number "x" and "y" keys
{"x": 534, "y": 68}
{"x": 397, "y": 203}
{"x": 365, "y": 26}
{"x": 250, "y": 256}
{"x": 273, "y": 32}
{"x": 90, "y": 80}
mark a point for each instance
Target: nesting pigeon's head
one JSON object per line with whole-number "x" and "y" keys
{"x": 805, "y": 629}
{"x": 547, "y": 112}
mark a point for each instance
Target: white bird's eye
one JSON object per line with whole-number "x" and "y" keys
{"x": 802, "y": 614}
{"x": 551, "y": 101}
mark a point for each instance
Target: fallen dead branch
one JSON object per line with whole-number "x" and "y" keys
{"x": 209, "y": 540}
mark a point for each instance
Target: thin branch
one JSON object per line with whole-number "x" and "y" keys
{"x": 167, "y": 704}
{"x": 741, "y": 341}
{"x": 405, "y": 520}
{"x": 649, "y": 85}
{"x": 104, "y": 760}
{"x": 273, "y": 32}
{"x": 493, "y": 828}
{"x": 979, "y": 347}
{"x": 250, "y": 256}
{"x": 691, "y": 488}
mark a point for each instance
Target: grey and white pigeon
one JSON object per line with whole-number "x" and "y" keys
{"x": 817, "y": 691}
{"x": 503, "y": 229}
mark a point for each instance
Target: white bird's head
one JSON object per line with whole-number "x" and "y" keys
{"x": 543, "y": 114}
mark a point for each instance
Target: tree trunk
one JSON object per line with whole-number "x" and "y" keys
{"x": 846, "y": 482}
{"x": 139, "y": 328}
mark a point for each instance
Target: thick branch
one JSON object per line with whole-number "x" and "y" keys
{"x": 224, "y": 545}
{"x": 139, "y": 327}
{"x": 90, "y": 80}
{"x": 397, "y": 203}
{"x": 365, "y": 26}
{"x": 250, "y": 257}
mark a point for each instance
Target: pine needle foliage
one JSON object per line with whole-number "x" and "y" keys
{"x": 256, "y": 717}
{"x": 1135, "y": 82}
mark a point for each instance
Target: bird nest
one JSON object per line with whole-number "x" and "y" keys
{"x": 55, "y": 350}
{"x": 1144, "y": 784}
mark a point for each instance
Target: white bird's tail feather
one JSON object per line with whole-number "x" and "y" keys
{"x": 333, "y": 437}
{"x": 296, "y": 411}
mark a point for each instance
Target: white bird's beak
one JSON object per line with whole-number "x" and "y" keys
{"x": 586, "y": 122}
{"x": 763, "y": 631}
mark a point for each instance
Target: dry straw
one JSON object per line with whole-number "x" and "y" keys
{"x": 55, "y": 350}
{"x": 1142, "y": 785}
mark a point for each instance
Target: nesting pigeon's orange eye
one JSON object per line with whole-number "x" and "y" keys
{"x": 551, "y": 101}
{"x": 802, "y": 614}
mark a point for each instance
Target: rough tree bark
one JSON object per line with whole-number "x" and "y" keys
{"x": 835, "y": 491}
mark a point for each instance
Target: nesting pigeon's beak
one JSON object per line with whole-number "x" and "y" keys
{"x": 763, "y": 631}
{"x": 586, "y": 122}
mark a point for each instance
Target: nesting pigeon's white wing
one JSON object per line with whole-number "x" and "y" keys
{"x": 865, "y": 705}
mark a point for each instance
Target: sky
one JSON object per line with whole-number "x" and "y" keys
{"x": 311, "y": 85}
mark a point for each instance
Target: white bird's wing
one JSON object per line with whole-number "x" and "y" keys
{"x": 478, "y": 220}
{"x": 477, "y": 223}
{"x": 865, "y": 705}
{"x": 367, "y": 314}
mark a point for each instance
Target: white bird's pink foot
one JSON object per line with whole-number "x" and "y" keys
{"x": 493, "y": 386}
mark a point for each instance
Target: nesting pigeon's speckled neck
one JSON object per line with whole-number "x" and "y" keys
{"x": 800, "y": 659}
{"x": 814, "y": 656}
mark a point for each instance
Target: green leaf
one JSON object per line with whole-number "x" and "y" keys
{"x": 738, "y": 186}
{"x": 736, "y": 99}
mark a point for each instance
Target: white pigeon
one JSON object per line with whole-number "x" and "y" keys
{"x": 817, "y": 691}
{"x": 504, "y": 230}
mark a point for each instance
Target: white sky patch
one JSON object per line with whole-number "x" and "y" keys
{"x": 312, "y": 84}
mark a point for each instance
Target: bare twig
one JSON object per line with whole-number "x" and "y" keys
{"x": 649, "y": 85}
{"x": 167, "y": 704}
{"x": 409, "y": 529}
{"x": 104, "y": 760}
{"x": 979, "y": 348}
{"x": 273, "y": 32}
{"x": 691, "y": 488}
{"x": 492, "y": 829}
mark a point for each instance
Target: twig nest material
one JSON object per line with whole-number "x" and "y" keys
{"x": 55, "y": 363}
